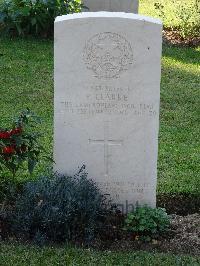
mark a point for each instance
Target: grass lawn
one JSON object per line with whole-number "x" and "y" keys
{"x": 19, "y": 255}
{"x": 26, "y": 78}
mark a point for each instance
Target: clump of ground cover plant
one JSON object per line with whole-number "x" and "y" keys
{"x": 146, "y": 223}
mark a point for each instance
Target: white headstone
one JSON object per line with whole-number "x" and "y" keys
{"x": 107, "y": 90}
{"x": 129, "y": 6}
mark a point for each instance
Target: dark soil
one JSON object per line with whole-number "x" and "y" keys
{"x": 174, "y": 38}
{"x": 181, "y": 204}
{"x": 182, "y": 238}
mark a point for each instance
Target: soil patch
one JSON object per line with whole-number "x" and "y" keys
{"x": 174, "y": 38}
{"x": 181, "y": 204}
{"x": 182, "y": 238}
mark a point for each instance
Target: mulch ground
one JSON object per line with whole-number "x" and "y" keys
{"x": 182, "y": 238}
{"x": 174, "y": 38}
{"x": 180, "y": 204}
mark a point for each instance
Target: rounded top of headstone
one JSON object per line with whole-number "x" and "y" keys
{"x": 104, "y": 14}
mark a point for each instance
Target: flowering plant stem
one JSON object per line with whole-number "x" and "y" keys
{"x": 20, "y": 144}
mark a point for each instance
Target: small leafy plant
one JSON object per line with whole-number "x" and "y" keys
{"x": 20, "y": 144}
{"x": 59, "y": 208}
{"x": 146, "y": 223}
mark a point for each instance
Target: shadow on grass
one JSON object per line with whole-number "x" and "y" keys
{"x": 187, "y": 55}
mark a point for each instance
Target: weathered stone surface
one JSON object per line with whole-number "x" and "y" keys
{"x": 107, "y": 91}
{"x": 129, "y": 6}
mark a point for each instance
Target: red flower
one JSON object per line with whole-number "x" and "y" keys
{"x": 16, "y": 131}
{"x": 8, "y": 150}
{"x": 5, "y": 135}
{"x": 8, "y": 134}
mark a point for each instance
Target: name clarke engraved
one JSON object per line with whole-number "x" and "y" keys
{"x": 103, "y": 99}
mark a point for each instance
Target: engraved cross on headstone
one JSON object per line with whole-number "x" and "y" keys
{"x": 106, "y": 142}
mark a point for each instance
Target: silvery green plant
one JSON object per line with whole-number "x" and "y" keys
{"x": 60, "y": 208}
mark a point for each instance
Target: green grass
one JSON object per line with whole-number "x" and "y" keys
{"x": 20, "y": 255}
{"x": 26, "y": 78}
{"x": 179, "y": 147}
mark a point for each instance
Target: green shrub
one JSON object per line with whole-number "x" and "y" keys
{"x": 20, "y": 144}
{"x": 147, "y": 223}
{"x": 20, "y": 151}
{"x": 59, "y": 208}
{"x": 35, "y": 17}
{"x": 180, "y": 15}
{"x": 189, "y": 20}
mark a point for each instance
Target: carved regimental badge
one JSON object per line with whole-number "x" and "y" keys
{"x": 108, "y": 54}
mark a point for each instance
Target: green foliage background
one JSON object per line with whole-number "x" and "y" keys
{"x": 182, "y": 15}
{"x": 33, "y": 17}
